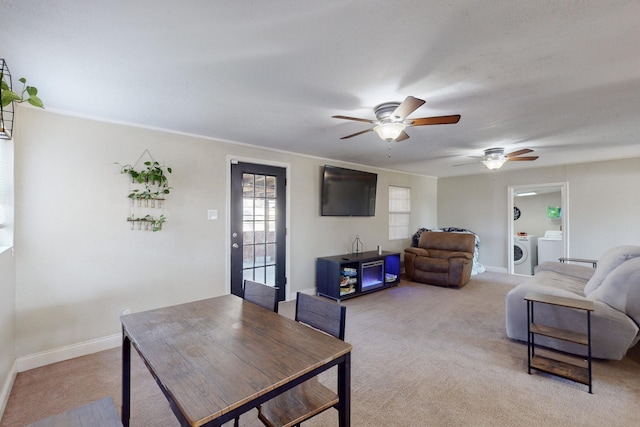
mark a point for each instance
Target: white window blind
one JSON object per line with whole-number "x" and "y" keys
{"x": 399, "y": 212}
{"x": 3, "y": 184}
{"x": 6, "y": 192}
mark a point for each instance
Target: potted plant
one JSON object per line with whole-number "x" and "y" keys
{"x": 28, "y": 94}
{"x": 8, "y": 97}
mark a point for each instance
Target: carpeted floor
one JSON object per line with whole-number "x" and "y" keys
{"x": 423, "y": 356}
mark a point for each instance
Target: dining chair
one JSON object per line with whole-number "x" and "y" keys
{"x": 311, "y": 397}
{"x": 259, "y": 293}
{"x": 263, "y": 295}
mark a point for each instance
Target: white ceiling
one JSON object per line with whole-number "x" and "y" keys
{"x": 561, "y": 77}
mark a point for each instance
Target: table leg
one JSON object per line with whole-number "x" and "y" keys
{"x": 126, "y": 380}
{"x": 344, "y": 391}
{"x": 529, "y": 336}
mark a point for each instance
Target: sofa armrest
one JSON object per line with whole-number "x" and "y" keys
{"x": 417, "y": 251}
{"x": 465, "y": 255}
{"x": 573, "y": 270}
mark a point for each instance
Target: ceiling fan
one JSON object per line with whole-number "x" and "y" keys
{"x": 391, "y": 119}
{"x": 494, "y": 158}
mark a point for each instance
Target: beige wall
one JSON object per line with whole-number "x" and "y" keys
{"x": 603, "y": 206}
{"x": 7, "y": 326}
{"x": 77, "y": 263}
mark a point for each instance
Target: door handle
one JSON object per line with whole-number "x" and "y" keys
{"x": 235, "y": 246}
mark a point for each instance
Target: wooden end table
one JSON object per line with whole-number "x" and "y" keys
{"x": 579, "y": 372}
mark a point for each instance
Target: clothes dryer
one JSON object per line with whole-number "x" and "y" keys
{"x": 524, "y": 254}
{"x": 551, "y": 246}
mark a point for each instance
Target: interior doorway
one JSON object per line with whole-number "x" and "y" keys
{"x": 538, "y": 225}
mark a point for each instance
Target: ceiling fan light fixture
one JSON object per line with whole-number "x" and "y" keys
{"x": 389, "y": 131}
{"x": 494, "y": 163}
{"x": 494, "y": 158}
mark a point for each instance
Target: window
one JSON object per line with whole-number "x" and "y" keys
{"x": 6, "y": 193}
{"x": 399, "y": 212}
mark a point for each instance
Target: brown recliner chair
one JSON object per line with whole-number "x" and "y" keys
{"x": 441, "y": 258}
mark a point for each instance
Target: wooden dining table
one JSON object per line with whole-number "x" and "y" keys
{"x": 217, "y": 358}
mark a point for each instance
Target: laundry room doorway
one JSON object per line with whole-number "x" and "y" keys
{"x": 538, "y": 225}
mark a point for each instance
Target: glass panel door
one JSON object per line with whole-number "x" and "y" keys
{"x": 258, "y": 226}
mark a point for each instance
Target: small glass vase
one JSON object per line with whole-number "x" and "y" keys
{"x": 356, "y": 246}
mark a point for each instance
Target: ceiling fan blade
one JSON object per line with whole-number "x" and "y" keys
{"x": 354, "y": 118}
{"x": 403, "y": 135}
{"x": 519, "y": 159}
{"x": 408, "y": 106}
{"x": 465, "y": 164}
{"x": 519, "y": 152}
{"x": 440, "y": 120}
{"x": 357, "y": 133}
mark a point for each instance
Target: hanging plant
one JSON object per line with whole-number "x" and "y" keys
{"x": 8, "y": 97}
{"x": 155, "y": 223}
{"x": 153, "y": 175}
{"x": 140, "y": 195}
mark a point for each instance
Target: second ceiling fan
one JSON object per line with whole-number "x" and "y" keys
{"x": 494, "y": 158}
{"x": 391, "y": 119}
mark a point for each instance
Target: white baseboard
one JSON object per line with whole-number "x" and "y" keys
{"x": 310, "y": 291}
{"x": 497, "y": 269}
{"x": 6, "y": 388}
{"x": 67, "y": 352}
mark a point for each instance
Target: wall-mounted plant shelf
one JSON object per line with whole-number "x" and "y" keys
{"x": 147, "y": 203}
{"x": 147, "y": 223}
{"x": 148, "y": 186}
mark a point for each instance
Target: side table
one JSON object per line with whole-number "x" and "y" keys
{"x": 593, "y": 262}
{"x": 579, "y": 371}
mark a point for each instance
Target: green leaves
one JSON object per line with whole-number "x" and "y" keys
{"x": 8, "y": 97}
{"x": 152, "y": 175}
{"x": 28, "y": 94}
{"x": 155, "y": 223}
{"x": 35, "y": 101}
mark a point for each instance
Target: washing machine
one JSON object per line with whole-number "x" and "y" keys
{"x": 550, "y": 247}
{"x": 524, "y": 254}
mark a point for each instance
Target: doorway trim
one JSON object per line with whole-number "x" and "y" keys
{"x": 564, "y": 197}
{"x": 227, "y": 268}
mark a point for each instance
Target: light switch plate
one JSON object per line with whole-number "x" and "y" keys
{"x": 212, "y": 214}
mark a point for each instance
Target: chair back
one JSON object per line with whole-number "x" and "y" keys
{"x": 321, "y": 314}
{"x": 259, "y": 293}
{"x": 448, "y": 241}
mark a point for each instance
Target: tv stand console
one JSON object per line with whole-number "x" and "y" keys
{"x": 345, "y": 276}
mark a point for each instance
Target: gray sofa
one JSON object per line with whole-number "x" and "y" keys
{"x": 614, "y": 287}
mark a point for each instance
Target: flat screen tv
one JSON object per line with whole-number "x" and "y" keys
{"x": 348, "y": 192}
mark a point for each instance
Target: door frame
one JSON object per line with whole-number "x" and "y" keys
{"x": 564, "y": 197}
{"x": 230, "y": 159}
